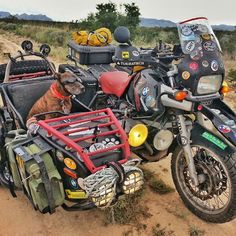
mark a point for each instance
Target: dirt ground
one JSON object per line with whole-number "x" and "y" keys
{"x": 17, "y": 217}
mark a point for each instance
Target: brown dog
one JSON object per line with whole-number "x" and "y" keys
{"x": 57, "y": 98}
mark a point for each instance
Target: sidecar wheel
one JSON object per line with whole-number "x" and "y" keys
{"x": 214, "y": 199}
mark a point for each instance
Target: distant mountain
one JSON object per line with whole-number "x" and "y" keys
{"x": 150, "y": 22}
{"x": 33, "y": 17}
{"x": 4, "y": 14}
{"x": 224, "y": 27}
{"x": 25, "y": 16}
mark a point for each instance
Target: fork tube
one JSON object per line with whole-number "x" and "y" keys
{"x": 185, "y": 141}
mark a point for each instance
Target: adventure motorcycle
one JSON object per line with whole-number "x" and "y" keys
{"x": 171, "y": 102}
{"x": 78, "y": 161}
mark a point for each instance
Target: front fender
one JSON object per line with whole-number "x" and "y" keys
{"x": 201, "y": 135}
{"x": 223, "y": 119}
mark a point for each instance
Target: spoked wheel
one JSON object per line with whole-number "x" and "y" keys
{"x": 214, "y": 199}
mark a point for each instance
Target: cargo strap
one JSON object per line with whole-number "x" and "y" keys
{"x": 119, "y": 169}
{"x": 46, "y": 182}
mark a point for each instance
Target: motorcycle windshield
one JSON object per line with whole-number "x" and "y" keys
{"x": 196, "y": 35}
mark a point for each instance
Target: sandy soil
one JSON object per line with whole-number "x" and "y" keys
{"x": 17, "y": 217}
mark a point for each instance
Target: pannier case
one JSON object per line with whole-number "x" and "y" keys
{"x": 88, "y": 55}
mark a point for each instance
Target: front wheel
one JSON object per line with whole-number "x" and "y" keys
{"x": 214, "y": 199}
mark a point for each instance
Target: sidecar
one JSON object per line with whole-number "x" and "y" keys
{"x": 78, "y": 161}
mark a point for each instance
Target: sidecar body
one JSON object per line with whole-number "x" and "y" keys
{"x": 77, "y": 161}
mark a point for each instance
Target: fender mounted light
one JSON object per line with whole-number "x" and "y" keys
{"x": 138, "y": 135}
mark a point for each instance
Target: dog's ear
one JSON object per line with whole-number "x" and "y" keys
{"x": 57, "y": 76}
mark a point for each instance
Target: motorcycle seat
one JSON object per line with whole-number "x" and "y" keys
{"x": 114, "y": 82}
{"x": 24, "y": 93}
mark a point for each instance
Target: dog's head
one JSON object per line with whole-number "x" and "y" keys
{"x": 70, "y": 83}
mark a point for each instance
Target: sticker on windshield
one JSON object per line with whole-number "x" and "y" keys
{"x": 205, "y": 63}
{"x": 214, "y": 65}
{"x": 190, "y": 46}
{"x": 193, "y": 65}
{"x": 186, "y": 30}
{"x": 209, "y": 46}
{"x": 214, "y": 140}
{"x": 186, "y": 75}
{"x": 196, "y": 55}
{"x": 203, "y": 28}
{"x": 206, "y": 36}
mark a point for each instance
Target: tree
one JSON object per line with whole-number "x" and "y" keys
{"x": 132, "y": 14}
{"x": 107, "y": 15}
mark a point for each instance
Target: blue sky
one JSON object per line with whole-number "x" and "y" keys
{"x": 218, "y": 11}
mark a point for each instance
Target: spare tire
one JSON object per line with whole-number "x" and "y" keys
{"x": 25, "y": 67}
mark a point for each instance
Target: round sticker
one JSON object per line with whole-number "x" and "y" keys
{"x": 205, "y": 63}
{"x": 193, "y": 66}
{"x": 73, "y": 183}
{"x": 190, "y": 46}
{"x": 186, "y": 75}
{"x": 206, "y": 36}
{"x": 196, "y": 55}
{"x": 135, "y": 53}
{"x": 214, "y": 65}
{"x": 186, "y": 30}
{"x": 224, "y": 129}
{"x": 96, "y": 146}
{"x": 209, "y": 46}
{"x": 203, "y": 28}
{"x": 145, "y": 91}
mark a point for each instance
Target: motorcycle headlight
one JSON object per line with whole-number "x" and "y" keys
{"x": 209, "y": 84}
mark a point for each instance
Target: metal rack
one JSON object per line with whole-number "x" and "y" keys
{"x": 56, "y": 128}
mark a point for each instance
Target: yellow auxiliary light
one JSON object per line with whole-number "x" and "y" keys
{"x": 70, "y": 163}
{"x": 138, "y": 135}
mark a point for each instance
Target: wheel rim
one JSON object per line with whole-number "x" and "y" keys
{"x": 213, "y": 194}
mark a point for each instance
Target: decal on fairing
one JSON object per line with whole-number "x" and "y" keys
{"x": 224, "y": 129}
{"x": 214, "y": 140}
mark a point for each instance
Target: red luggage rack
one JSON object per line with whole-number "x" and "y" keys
{"x": 73, "y": 144}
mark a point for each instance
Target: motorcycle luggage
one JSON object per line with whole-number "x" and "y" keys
{"x": 89, "y": 81}
{"x": 40, "y": 177}
{"x": 89, "y": 55}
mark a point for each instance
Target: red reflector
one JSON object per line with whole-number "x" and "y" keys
{"x": 70, "y": 173}
{"x": 199, "y": 107}
{"x": 193, "y": 65}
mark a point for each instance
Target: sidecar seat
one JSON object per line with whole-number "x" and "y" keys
{"x": 20, "y": 96}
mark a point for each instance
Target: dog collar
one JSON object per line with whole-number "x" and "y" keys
{"x": 57, "y": 94}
